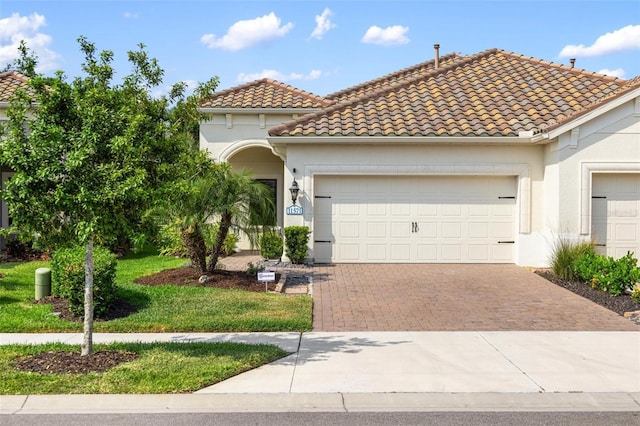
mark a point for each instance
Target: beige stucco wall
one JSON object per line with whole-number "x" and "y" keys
{"x": 221, "y": 132}
{"x": 607, "y": 143}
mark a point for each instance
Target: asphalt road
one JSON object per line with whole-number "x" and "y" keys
{"x": 308, "y": 419}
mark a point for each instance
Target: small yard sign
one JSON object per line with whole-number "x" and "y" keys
{"x": 266, "y": 277}
{"x": 294, "y": 210}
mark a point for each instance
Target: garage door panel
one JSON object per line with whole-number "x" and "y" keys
{"x": 478, "y": 230}
{"x": 451, "y": 210}
{"x": 400, "y": 252}
{"x": 479, "y": 210}
{"x": 349, "y": 208}
{"x": 463, "y": 222}
{"x": 615, "y": 213}
{"x": 349, "y": 230}
{"x": 400, "y": 229}
{"x": 451, "y": 253}
{"x": 427, "y": 252}
{"x": 400, "y": 209}
{"x": 427, "y": 230}
{"x": 624, "y": 208}
{"x": 377, "y": 252}
{"x": 427, "y": 210}
{"x": 451, "y": 230}
{"x": 625, "y": 232}
{"x": 349, "y": 252}
{"x": 377, "y": 230}
{"x": 478, "y": 252}
{"x": 502, "y": 230}
{"x": 377, "y": 208}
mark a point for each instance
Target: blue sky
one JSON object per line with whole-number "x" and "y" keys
{"x": 320, "y": 46}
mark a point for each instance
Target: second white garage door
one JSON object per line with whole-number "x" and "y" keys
{"x": 389, "y": 219}
{"x": 616, "y": 214}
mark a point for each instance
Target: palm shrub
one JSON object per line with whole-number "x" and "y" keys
{"x": 271, "y": 245}
{"x": 296, "y": 239}
{"x": 564, "y": 255}
{"x": 68, "y": 280}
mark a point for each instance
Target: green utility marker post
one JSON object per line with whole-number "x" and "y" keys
{"x": 43, "y": 283}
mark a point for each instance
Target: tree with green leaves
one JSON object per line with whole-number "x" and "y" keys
{"x": 89, "y": 156}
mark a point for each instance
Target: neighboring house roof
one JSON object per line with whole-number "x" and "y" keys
{"x": 9, "y": 82}
{"x": 264, "y": 93}
{"x": 492, "y": 93}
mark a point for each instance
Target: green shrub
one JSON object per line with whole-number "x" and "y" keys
{"x": 271, "y": 245}
{"x": 608, "y": 274}
{"x": 170, "y": 241}
{"x": 296, "y": 239}
{"x": 229, "y": 245}
{"x": 565, "y": 254}
{"x": 67, "y": 268}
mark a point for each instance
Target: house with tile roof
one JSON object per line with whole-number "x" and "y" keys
{"x": 486, "y": 158}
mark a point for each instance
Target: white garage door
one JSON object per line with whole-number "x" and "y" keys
{"x": 440, "y": 219}
{"x": 615, "y": 213}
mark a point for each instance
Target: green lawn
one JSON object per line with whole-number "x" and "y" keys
{"x": 161, "y": 308}
{"x": 160, "y": 368}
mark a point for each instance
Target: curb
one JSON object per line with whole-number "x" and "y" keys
{"x": 331, "y": 402}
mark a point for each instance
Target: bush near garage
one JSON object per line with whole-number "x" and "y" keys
{"x": 68, "y": 280}
{"x": 614, "y": 276}
{"x": 296, "y": 240}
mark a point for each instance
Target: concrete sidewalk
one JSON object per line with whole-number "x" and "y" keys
{"x": 390, "y": 371}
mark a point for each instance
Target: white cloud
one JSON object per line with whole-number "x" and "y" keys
{"x": 323, "y": 24}
{"x": 248, "y": 33}
{"x": 626, "y": 38}
{"x": 277, "y": 75}
{"x": 17, "y": 28}
{"x": 390, "y": 36}
{"x": 131, "y": 15}
{"x": 618, "y": 72}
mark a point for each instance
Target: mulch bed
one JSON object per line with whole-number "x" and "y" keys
{"x": 220, "y": 278}
{"x": 618, "y": 304}
{"x": 57, "y": 362}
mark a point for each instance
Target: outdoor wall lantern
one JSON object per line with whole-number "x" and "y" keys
{"x": 294, "y": 189}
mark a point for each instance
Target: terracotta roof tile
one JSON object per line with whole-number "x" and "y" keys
{"x": 492, "y": 93}
{"x": 265, "y": 93}
{"x": 391, "y": 79}
{"x": 9, "y": 82}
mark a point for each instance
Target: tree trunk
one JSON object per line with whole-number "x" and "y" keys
{"x": 196, "y": 248}
{"x": 87, "y": 340}
{"x": 216, "y": 250}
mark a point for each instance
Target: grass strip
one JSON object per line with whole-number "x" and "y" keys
{"x": 161, "y": 368}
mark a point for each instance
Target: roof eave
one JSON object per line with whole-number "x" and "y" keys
{"x": 554, "y": 132}
{"x": 401, "y": 140}
{"x": 219, "y": 110}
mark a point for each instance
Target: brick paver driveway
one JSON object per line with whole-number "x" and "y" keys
{"x": 437, "y": 297}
